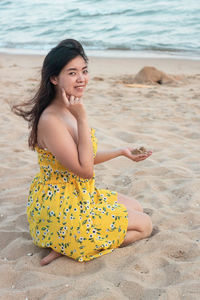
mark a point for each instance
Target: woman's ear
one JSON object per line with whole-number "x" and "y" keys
{"x": 53, "y": 80}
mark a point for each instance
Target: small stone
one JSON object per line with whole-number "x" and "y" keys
{"x": 5, "y": 259}
{"x": 13, "y": 286}
{"x": 30, "y": 254}
{"x": 67, "y": 285}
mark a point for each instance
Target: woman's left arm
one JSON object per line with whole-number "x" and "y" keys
{"x": 103, "y": 156}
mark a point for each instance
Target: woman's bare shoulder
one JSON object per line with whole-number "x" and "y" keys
{"x": 48, "y": 119}
{"x": 48, "y": 116}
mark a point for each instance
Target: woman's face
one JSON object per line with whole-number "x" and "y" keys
{"x": 73, "y": 78}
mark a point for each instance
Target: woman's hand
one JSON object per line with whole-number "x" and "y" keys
{"x": 127, "y": 152}
{"x": 74, "y": 105}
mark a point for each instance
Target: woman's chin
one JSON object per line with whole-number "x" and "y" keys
{"x": 78, "y": 94}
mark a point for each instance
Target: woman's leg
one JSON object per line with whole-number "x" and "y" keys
{"x": 49, "y": 258}
{"x": 130, "y": 203}
{"x": 139, "y": 223}
{"x": 139, "y": 227}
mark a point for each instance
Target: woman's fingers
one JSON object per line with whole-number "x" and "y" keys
{"x": 74, "y": 100}
{"x": 71, "y": 99}
{"x": 65, "y": 99}
{"x": 143, "y": 156}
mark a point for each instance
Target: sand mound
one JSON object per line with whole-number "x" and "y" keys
{"x": 151, "y": 75}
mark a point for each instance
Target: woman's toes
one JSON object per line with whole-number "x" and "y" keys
{"x": 49, "y": 258}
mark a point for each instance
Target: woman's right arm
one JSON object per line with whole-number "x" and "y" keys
{"x": 77, "y": 159}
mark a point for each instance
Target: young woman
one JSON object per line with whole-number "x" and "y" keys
{"x": 65, "y": 211}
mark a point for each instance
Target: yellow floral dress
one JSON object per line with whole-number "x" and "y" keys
{"x": 70, "y": 215}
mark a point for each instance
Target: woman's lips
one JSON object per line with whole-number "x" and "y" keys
{"x": 80, "y": 88}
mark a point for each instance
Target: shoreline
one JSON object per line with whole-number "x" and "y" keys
{"x": 112, "y": 65}
{"x": 114, "y": 53}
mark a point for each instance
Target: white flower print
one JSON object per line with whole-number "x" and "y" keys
{"x": 49, "y": 193}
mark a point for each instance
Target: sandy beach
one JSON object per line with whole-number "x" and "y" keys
{"x": 164, "y": 118}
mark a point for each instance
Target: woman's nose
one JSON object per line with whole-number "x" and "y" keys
{"x": 80, "y": 77}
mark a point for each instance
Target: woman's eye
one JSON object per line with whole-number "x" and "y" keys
{"x": 85, "y": 72}
{"x": 72, "y": 73}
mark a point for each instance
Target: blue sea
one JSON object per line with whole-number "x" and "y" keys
{"x": 105, "y": 28}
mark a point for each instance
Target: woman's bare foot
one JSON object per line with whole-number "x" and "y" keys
{"x": 49, "y": 258}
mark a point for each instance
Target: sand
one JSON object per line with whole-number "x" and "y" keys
{"x": 162, "y": 118}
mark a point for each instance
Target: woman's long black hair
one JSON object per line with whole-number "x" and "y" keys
{"x": 53, "y": 63}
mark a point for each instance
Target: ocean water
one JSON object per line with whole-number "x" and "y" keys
{"x": 116, "y": 27}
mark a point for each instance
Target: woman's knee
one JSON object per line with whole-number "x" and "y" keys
{"x": 140, "y": 222}
{"x": 146, "y": 226}
{"x": 129, "y": 203}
